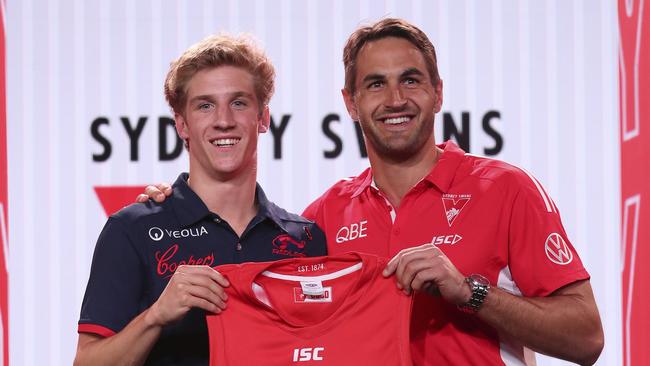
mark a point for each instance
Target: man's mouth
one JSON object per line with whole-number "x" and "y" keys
{"x": 396, "y": 120}
{"x": 225, "y": 142}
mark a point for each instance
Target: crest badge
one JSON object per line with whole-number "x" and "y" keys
{"x": 454, "y": 204}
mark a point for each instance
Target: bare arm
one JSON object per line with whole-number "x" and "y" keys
{"x": 565, "y": 324}
{"x": 190, "y": 286}
{"x": 131, "y": 346}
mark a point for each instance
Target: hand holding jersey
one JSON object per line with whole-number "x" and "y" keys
{"x": 426, "y": 268}
{"x": 190, "y": 286}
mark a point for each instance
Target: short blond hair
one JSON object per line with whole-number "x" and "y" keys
{"x": 219, "y": 50}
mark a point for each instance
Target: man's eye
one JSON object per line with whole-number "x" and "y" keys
{"x": 375, "y": 84}
{"x": 410, "y": 81}
{"x": 239, "y": 103}
{"x": 204, "y": 106}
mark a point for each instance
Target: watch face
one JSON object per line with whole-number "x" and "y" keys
{"x": 480, "y": 280}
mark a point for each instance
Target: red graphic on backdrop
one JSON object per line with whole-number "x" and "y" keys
{"x": 634, "y": 73}
{"x": 115, "y": 198}
{"x": 4, "y": 235}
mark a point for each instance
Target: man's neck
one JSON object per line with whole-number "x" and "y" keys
{"x": 394, "y": 179}
{"x": 232, "y": 199}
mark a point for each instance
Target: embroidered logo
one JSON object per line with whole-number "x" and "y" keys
{"x": 284, "y": 244}
{"x": 454, "y": 204}
{"x": 167, "y": 262}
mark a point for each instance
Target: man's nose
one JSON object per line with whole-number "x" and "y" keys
{"x": 223, "y": 119}
{"x": 395, "y": 98}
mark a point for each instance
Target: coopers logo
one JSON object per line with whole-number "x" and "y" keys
{"x": 156, "y": 233}
{"x": 351, "y": 232}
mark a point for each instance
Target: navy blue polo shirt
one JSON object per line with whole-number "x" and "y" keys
{"x": 141, "y": 246}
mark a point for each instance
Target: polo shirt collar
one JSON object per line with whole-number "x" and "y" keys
{"x": 190, "y": 209}
{"x": 440, "y": 176}
{"x": 443, "y": 173}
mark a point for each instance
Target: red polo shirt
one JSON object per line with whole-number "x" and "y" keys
{"x": 487, "y": 216}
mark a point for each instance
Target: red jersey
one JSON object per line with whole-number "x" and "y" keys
{"x": 487, "y": 216}
{"x": 354, "y": 316}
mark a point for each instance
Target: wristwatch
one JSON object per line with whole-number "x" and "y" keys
{"x": 480, "y": 287}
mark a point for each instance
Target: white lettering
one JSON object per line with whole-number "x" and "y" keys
{"x": 157, "y": 233}
{"x": 354, "y": 231}
{"x": 446, "y": 239}
{"x": 308, "y": 354}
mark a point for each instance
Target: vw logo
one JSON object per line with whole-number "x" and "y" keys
{"x": 557, "y": 250}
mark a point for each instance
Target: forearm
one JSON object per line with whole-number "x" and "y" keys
{"x": 564, "y": 325}
{"x": 129, "y": 347}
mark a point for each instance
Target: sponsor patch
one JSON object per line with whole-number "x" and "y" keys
{"x": 284, "y": 244}
{"x": 557, "y": 250}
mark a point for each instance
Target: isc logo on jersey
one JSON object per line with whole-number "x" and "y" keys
{"x": 446, "y": 239}
{"x": 308, "y": 354}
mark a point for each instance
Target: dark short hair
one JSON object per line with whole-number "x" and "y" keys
{"x": 389, "y": 27}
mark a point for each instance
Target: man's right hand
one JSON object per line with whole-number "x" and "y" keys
{"x": 191, "y": 286}
{"x": 157, "y": 192}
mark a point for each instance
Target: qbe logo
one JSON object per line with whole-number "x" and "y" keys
{"x": 354, "y": 231}
{"x": 308, "y": 354}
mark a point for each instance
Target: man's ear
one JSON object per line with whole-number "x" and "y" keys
{"x": 351, "y": 106}
{"x": 265, "y": 120}
{"x": 438, "y": 90}
{"x": 181, "y": 127}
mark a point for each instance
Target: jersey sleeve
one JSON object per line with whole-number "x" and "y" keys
{"x": 541, "y": 257}
{"x": 115, "y": 287}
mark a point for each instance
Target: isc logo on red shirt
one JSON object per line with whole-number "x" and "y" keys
{"x": 308, "y": 354}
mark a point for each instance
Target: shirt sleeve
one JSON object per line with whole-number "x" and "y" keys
{"x": 115, "y": 287}
{"x": 541, "y": 257}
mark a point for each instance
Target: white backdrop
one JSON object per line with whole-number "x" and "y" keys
{"x": 546, "y": 69}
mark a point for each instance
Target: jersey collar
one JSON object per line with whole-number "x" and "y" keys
{"x": 441, "y": 175}
{"x": 189, "y": 208}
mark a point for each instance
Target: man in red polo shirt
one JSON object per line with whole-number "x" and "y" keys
{"x": 504, "y": 277}
{"x": 479, "y": 241}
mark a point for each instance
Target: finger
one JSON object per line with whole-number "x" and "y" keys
{"x": 208, "y": 283}
{"x": 206, "y": 272}
{"x": 154, "y": 193}
{"x": 409, "y": 271}
{"x": 142, "y": 198}
{"x": 423, "y": 277}
{"x": 204, "y": 293}
{"x": 412, "y": 254}
{"x": 392, "y": 265}
{"x": 207, "y": 305}
{"x": 165, "y": 188}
